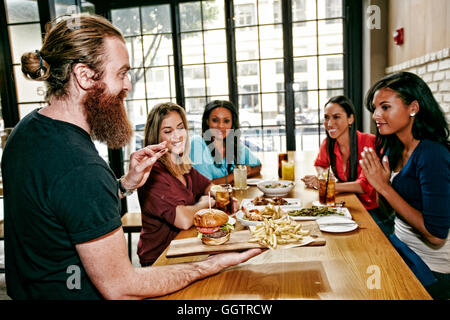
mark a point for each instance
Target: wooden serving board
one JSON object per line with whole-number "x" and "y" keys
{"x": 238, "y": 242}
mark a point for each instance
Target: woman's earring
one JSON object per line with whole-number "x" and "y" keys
{"x": 412, "y": 114}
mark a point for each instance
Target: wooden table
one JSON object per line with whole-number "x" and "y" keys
{"x": 361, "y": 264}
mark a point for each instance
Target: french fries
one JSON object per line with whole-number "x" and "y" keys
{"x": 267, "y": 212}
{"x": 272, "y": 212}
{"x": 272, "y": 233}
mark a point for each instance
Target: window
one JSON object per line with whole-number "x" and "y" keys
{"x": 204, "y": 50}
{"x": 196, "y": 72}
{"x": 25, "y": 35}
{"x": 245, "y": 13}
{"x": 318, "y": 57}
{"x": 334, "y": 64}
{"x": 279, "y": 67}
{"x": 335, "y": 88}
{"x": 277, "y": 16}
{"x": 247, "y": 69}
{"x": 299, "y": 10}
{"x": 333, "y": 10}
{"x": 249, "y": 99}
{"x": 259, "y": 42}
{"x": 301, "y": 96}
{"x": 300, "y": 66}
{"x": 280, "y": 98}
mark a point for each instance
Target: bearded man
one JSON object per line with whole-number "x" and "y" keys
{"x": 63, "y": 234}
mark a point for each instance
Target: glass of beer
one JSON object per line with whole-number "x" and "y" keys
{"x": 223, "y": 198}
{"x": 326, "y": 189}
{"x": 281, "y": 157}
{"x": 240, "y": 177}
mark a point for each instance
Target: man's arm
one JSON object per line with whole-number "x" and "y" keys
{"x": 108, "y": 266}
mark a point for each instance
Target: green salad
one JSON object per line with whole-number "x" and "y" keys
{"x": 314, "y": 211}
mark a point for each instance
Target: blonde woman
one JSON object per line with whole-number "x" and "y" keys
{"x": 174, "y": 190}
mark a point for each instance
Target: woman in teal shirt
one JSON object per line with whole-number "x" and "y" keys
{"x": 218, "y": 150}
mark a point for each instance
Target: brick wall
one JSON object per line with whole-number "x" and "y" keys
{"x": 434, "y": 69}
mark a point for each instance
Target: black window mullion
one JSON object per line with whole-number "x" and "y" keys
{"x": 353, "y": 25}
{"x": 47, "y": 12}
{"x": 178, "y": 61}
{"x": 204, "y": 52}
{"x": 231, "y": 52}
{"x": 8, "y": 92}
{"x": 318, "y": 73}
{"x": 144, "y": 68}
{"x": 260, "y": 74}
{"x": 289, "y": 109}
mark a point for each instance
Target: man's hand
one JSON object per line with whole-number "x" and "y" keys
{"x": 225, "y": 260}
{"x": 141, "y": 163}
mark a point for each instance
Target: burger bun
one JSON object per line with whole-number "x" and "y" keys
{"x": 210, "y": 218}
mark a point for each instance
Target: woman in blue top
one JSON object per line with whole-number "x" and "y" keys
{"x": 218, "y": 150}
{"x": 414, "y": 174}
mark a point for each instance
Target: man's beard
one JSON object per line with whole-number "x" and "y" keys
{"x": 106, "y": 116}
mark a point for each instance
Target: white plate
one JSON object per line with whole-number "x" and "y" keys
{"x": 318, "y": 204}
{"x": 343, "y": 210}
{"x": 291, "y": 202}
{"x": 240, "y": 217}
{"x": 253, "y": 182}
{"x": 342, "y": 224}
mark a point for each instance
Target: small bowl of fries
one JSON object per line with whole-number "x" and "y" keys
{"x": 256, "y": 215}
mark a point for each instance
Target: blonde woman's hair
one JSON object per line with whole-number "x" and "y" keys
{"x": 77, "y": 38}
{"x": 152, "y": 129}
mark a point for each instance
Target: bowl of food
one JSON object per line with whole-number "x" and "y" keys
{"x": 275, "y": 188}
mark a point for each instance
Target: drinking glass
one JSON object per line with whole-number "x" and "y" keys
{"x": 327, "y": 189}
{"x": 288, "y": 170}
{"x": 281, "y": 157}
{"x": 240, "y": 177}
{"x": 223, "y": 198}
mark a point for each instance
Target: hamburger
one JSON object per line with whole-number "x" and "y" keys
{"x": 212, "y": 226}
